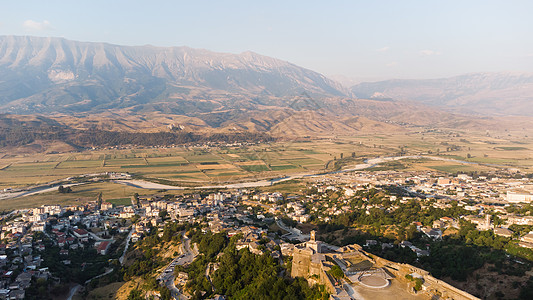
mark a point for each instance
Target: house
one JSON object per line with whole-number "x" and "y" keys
{"x": 420, "y": 252}
{"x": 81, "y": 234}
{"x": 106, "y": 206}
{"x": 526, "y": 241}
{"x": 103, "y": 247}
{"x": 418, "y": 225}
{"x": 17, "y": 294}
{"x": 503, "y": 232}
{"x": 38, "y": 226}
{"x": 528, "y": 238}
{"x": 24, "y": 279}
{"x": 182, "y": 278}
{"x": 439, "y": 224}
{"x": 407, "y": 244}
{"x": 517, "y": 197}
{"x": 136, "y": 236}
{"x": 371, "y": 243}
{"x": 444, "y": 181}
{"x": 525, "y": 220}
{"x": 432, "y": 233}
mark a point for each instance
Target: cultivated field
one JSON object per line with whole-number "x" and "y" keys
{"x": 112, "y": 192}
{"x": 197, "y": 165}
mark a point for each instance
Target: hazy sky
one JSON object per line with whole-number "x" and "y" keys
{"x": 359, "y": 39}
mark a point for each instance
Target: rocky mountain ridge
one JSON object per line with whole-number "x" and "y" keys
{"x": 57, "y": 75}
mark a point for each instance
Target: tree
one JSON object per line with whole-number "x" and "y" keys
{"x": 163, "y": 214}
{"x": 336, "y": 272}
{"x": 99, "y": 199}
{"x": 61, "y": 189}
{"x": 135, "y": 200}
{"x": 135, "y": 294}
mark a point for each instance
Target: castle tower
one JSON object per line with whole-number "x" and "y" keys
{"x": 313, "y": 236}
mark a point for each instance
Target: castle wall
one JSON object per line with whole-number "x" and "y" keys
{"x": 304, "y": 266}
{"x": 326, "y": 281}
{"x": 301, "y": 261}
{"x": 436, "y": 286}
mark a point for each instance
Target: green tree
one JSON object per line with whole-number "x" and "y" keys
{"x": 336, "y": 272}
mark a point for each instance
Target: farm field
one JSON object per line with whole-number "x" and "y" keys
{"x": 228, "y": 164}
{"x": 116, "y": 194}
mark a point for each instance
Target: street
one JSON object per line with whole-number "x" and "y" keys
{"x": 167, "y": 277}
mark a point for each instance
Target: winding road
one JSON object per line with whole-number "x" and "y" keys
{"x": 73, "y": 291}
{"x": 128, "y": 239}
{"x": 167, "y": 276}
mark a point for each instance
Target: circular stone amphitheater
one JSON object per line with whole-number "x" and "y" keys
{"x": 375, "y": 279}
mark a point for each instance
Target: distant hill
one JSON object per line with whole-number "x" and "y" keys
{"x": 496, "y": 94}
{"x": 48, "y": 75}
{"x": 77, "y": 87}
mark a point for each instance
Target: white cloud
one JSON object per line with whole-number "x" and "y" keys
{"x": 428, "y": 53}
{"x": 32, "y": 25}
{"x": 392, "y": 64}
{"x": 384, "y": 49}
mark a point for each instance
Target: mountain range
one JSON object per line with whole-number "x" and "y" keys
{"x": 47, "y": 75}
{"x": 88, "y": 85}
{"x": 499, "y": 94}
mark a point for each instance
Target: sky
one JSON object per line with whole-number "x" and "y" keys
{"x": 360, "y": 40}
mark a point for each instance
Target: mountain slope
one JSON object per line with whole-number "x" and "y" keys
{"x": 478, "y": 93}
{"x": 58, "y": 75}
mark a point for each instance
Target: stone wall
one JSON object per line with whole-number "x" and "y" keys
{"x": 304, "y": 266}
{"x": 301, "y": 261}
{"x": 436, "y": 286}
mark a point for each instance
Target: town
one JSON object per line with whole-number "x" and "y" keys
{"x": 358, "y": 235}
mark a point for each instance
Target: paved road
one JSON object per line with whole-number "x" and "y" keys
{"x": 35, "y": 191}
{"x": 108, "y": 271}
{"x": 167, "y": 276}
{"x": 294, "y": 231}
{"x": 73, "y": 291}
{"x": 99, "y": 239}
{"x": 128, "y": 239}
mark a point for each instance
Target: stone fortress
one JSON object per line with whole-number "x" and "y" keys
{"x": 366, "y": 276}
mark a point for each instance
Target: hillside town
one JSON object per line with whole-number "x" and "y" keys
{"x": 45, "y": 243}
